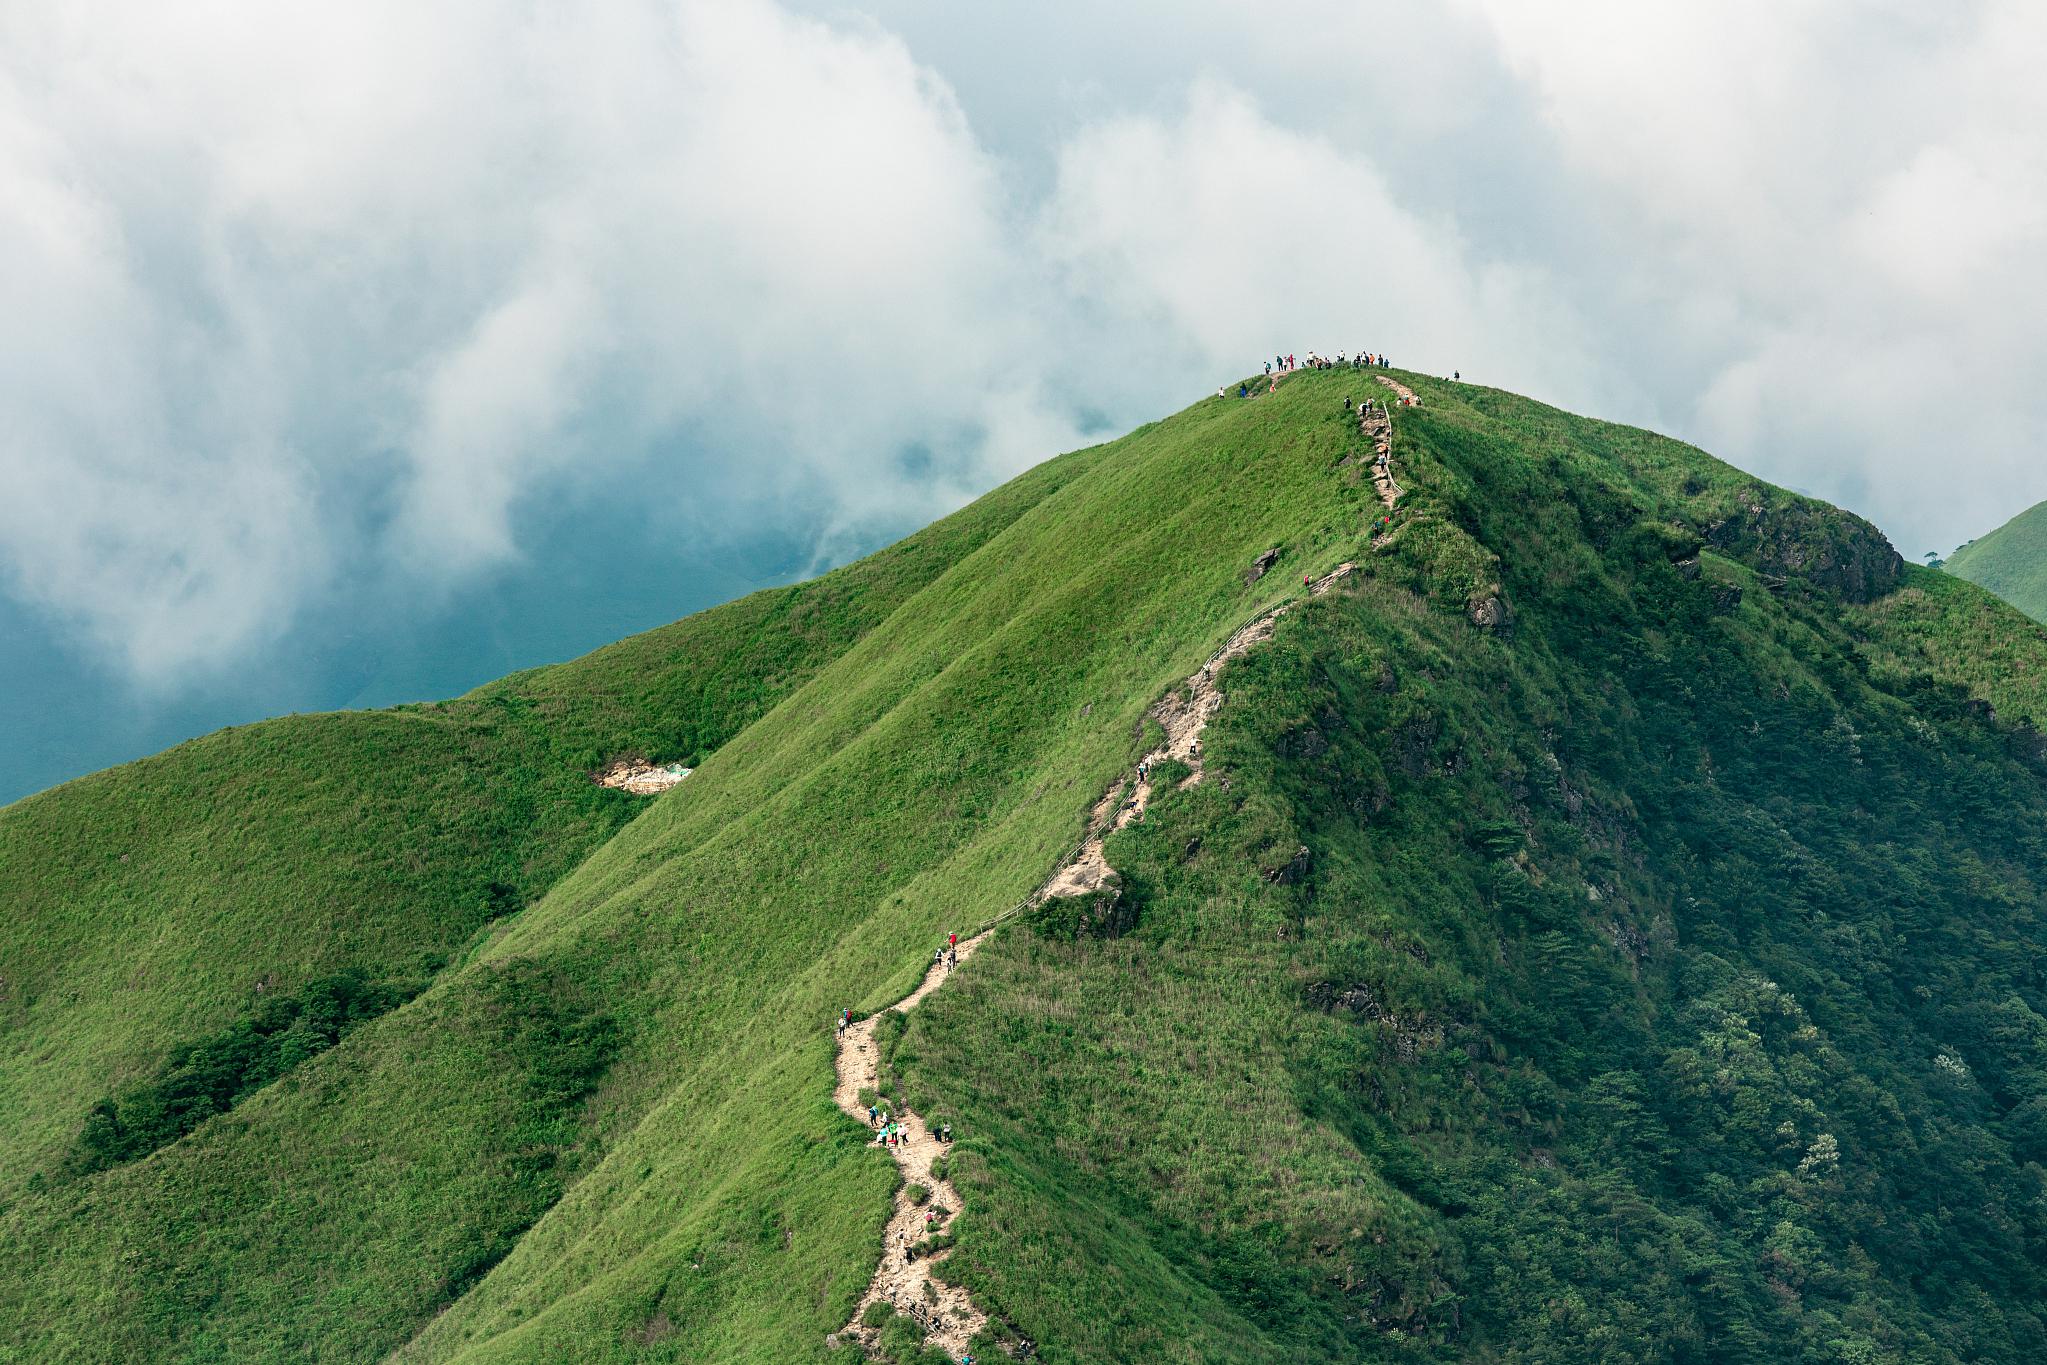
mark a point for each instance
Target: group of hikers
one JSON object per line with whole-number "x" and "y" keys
{"x": 1283, "y": 364}
{"x": 890, "y": 1131}
{"x": 1363, "y": 360}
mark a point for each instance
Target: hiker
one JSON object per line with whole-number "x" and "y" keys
{"x": 870, "y": 1116}
{"x": 1268, "y": 367}
{"x": 1219, "y": 391}
{"x": 952, "y": 940}
{"x": 1346, "y": 402}
{"x": 947, "y": 1133}
{"x": 1457, "y": 374}
{"x": 1243, "y": 391}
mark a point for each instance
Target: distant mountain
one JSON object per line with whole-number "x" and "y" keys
{"x": 1591, "y": 910}
{"x": 2010, "y": 561}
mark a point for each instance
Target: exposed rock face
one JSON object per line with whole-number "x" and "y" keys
{"x": 1291, "y": 872}
{"x": 640, "y": 777}
{"x": 1492, "y": 613}
{"x": 1821, "y": 544}
{"x": 1261, "y": 564}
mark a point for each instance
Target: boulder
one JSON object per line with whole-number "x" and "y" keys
{"x": 1781, "y": 534}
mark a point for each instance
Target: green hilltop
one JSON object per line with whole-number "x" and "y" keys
{"x": 2010, "y": 561}
{"x": 1607, "y": 928}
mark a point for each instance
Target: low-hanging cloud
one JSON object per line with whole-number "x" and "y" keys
{"x": 1229, "y": 234}
{"x": 346, "y": 290}
{"x": 340, "y": 292}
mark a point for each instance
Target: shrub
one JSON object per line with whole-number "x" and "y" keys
{"x": 210, "y": 1076}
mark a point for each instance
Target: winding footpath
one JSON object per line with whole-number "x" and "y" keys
{"x": 948, "y": 1315}
{"x": 1377, "y": 425}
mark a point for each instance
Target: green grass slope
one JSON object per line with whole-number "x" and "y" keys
{"x": 1612, "y": 939}
{"x": 2010, "y": 561}
{"x": 149, "y": 906}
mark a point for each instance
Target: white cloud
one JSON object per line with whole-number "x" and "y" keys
{"x": 349, "y": 290}
{"x": 1225, "y": 233}
{"x": 359, "y": 258}
{"x": 1837, "y": 211}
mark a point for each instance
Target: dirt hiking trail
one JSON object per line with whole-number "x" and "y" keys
{"x": 948, "y": 1315}
{"x": 946, "y": 1312}
{"x": 1377, "y": 425}
{"x": 1400, "y": 390}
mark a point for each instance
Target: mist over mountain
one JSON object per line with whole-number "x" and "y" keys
{"x": 313, "y": 321}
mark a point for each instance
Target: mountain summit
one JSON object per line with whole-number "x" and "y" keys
{"x": 1543, "y": 894}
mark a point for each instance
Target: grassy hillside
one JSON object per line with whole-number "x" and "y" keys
{"x": 1656, "y": 983}
{"x": 149, "y": 906}
{"x": 2010, "y": 561}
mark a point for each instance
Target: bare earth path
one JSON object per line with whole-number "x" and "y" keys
{"x": 949, "y": 1316}
{"x": 1377, "y": 424}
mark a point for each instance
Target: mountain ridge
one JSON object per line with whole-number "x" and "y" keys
{"x": 606, "y": 1128}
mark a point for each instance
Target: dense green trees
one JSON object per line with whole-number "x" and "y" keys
{"x": 1664, "y": 987}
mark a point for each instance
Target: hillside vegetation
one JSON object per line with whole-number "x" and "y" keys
{"x": 1607, "y": 931}
{"x": 2010, "y": 561}
{"x": 152, "y": 904}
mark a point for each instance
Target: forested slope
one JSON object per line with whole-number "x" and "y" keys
{"x": 1606, "y": 929}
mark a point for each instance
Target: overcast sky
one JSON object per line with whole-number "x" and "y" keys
{"x": 300, "y": 297}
